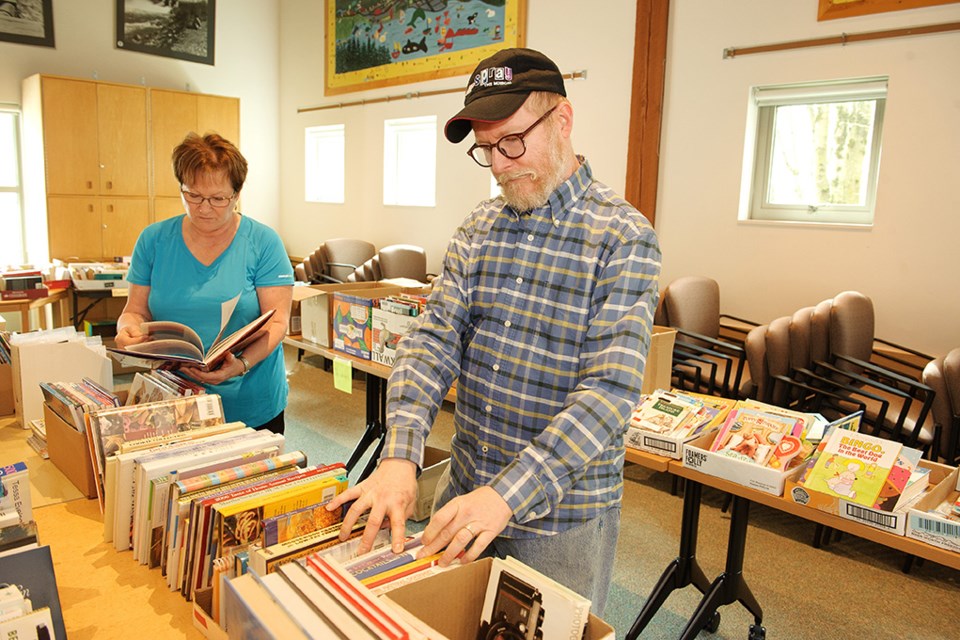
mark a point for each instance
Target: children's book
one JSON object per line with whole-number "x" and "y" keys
{"x": 853, "y": 466}
{"x": 904, "y": 482}
{"x": 752, "y": 435}
{"x": 177, "y": 344}
{"x": 663, "y": 412}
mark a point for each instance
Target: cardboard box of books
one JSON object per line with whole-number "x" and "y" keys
{"x": 928, "y": 521}
{"x": 435, "y": 461}
{"x": 886, "y": 519}
{"x": 6, "y": 389}
{"x": 656, "y": 375}
{"x": 98, "y": 275}
{"x": 70, "y": 452}
{"x": 316, "y": 310}
{"x": 697, "y": 455}
{"x": 352, "y": 319}
{"x": 462, "y": 591}
{"x": 387, "y": 327}
{"x": 664, "y": 421}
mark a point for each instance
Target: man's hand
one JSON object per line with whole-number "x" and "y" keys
{"x": 479, "y": 517}
{"x": 389, "y": 494}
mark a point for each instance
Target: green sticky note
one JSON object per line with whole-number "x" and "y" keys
{"x": 342, "y": 375}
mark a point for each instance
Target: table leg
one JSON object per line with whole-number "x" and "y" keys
{"x": 730, "y": 585}
{"x": 374, "y": 429}
{"x": 25, "y": 318}
{"x": 684, "y": 570}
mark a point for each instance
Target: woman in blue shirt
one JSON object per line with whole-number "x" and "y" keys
{"x": 184, "y": 269}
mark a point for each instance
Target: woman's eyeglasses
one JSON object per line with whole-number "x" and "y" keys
{"x": 217, "y": 202}
{"x": 511, "y": 146}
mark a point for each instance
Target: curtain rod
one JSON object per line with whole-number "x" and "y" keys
{"x": 575, "y": 75}
{"x": 842, "y": 39}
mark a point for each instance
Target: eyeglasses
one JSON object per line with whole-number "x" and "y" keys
{"x": 217, "y": 202}
{"x": 511, "y": 146}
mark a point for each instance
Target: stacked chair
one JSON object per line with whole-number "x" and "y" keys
{"x": 708, "y": 355}
{"x": 394, "y": 261}
{"x": 943, "y": 376}
{"x": 334, "y": 261}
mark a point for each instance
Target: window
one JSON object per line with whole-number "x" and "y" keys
{"x": 410, "y": 161}
{"x": 817, "y": 151}
{"x": 324, "y": 163}
{"x": 11, "y": 190}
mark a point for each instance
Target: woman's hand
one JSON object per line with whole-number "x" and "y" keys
{"x": 130, "y": 335}
{"x": 231, "y": 368}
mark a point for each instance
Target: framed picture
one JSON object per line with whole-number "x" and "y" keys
{"x": 832, "y": 9}
{"x": 181, "y": 29}
{"x": 377, "y": 44}
{"x": 27, "y": 21}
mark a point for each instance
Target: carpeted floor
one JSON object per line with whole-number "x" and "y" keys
{"x": 851, "y": 589}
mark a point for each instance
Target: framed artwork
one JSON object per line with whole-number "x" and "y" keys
{"x": 181, "y": 29}
{"x": 832, "y": 9}
{"x": 27, "y": 21}
{"x": 377, "y": 44}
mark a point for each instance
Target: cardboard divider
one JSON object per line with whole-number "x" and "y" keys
{"x": 69, "y": 452}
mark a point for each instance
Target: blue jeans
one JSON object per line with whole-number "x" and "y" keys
{"x": 580, "y": 558}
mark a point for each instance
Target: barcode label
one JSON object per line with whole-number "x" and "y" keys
{"x": 937, "y": 526}
{"x": 885, "y": 520}
{"x": 208, "y": 407}
{"x": 660, "y": 445}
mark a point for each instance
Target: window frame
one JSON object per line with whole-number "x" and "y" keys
{"x": 764, "y": 102}
{"x": 312, "y": 162}
{"x": 392, "y": 130}
{"x": 20, "y": 233}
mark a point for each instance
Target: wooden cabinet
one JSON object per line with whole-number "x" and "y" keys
{"x": 89, "y": 228}
{"x": 174, "y": 114}
{"x": 97, "y": 158}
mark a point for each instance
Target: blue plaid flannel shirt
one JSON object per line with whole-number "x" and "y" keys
{"x": 545, "y": 320}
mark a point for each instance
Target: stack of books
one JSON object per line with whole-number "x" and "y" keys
{"x": 29, "y": 601}
{"x": 161, "y": 384}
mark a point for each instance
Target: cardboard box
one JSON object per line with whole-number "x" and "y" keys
{"x": 435, "y": 461}
{"x": 316, "y": 310}
{"x": 96, "y": 275}
{"x": 36, "y": 362}
{"x": 70, "y": 452}
{"x": 933, "y": 528}
{"x": 386, "y": 330}
{"x": 697, "y": 455}
{"x": 461, "y": 591}
{"x": 891, "y": 522}
{"x": 7, "y": 405}
{"x": 659, "y": 367}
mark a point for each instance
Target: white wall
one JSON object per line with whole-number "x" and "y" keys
{"x": 908, "y": 262}
{"x": 600, "y": 42}
{"x": 247, "y": 66}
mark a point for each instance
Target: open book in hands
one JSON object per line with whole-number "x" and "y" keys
{"x": 177, "y": 344}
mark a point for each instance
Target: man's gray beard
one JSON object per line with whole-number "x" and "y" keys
{"x": 544, "y": 183}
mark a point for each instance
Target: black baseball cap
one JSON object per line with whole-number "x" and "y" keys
{"x": 500, "y": 85}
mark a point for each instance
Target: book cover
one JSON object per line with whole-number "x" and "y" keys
{"x": 250, "y": 612}
{"x": 178, "y": 344}
{"x": 663, "y": 412}
{"x": 285, "y": 526}
{"x": 31, "y": 570}
{"x": 853, "y": 466}
{"x": 905, "y": 480}
{"x": 752, "y": 435}
{"x": 15, "y": 491}
{"x": 523, "y": 603}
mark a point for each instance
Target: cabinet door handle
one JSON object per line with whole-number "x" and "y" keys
{"x": 104, "y": 226}
{"x": 109, "y": 184}
{"x": 90, "y": 208}
{"x": 110, "y": 209}
{"x": 89, "y": 184}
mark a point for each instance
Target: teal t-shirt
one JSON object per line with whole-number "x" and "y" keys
{"x": 184, "y": 290}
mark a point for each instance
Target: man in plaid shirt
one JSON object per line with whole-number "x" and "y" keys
{"x": 543, "y": 313}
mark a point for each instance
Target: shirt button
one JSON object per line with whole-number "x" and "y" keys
{"x": 496, "y": 367}
{"x": 483, "y": 448}
{"x": 488, "y": 409}
{"x": 530, "y": 237}
{"x": 507, "y": 324}
{"x": 556, "y": 223}
{"x": 519, "y": 280}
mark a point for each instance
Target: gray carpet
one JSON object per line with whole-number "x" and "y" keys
{"x": 851, "y": 589}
